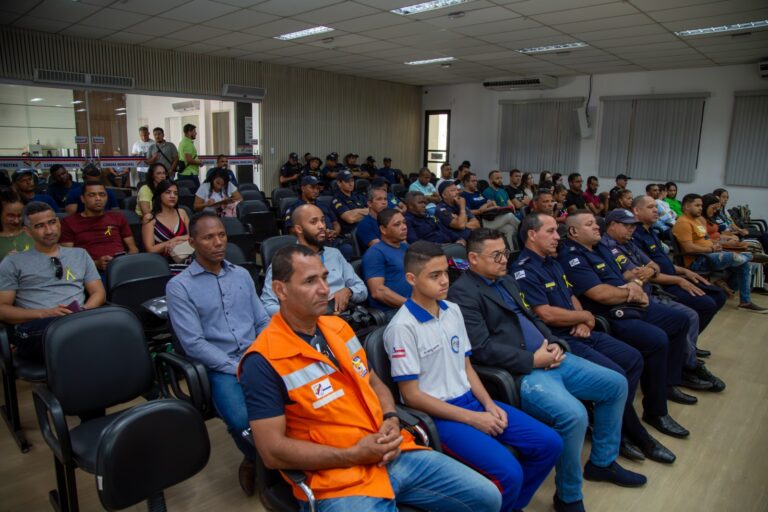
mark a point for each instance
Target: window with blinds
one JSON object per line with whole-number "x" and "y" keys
{"x": 747, "y": 162}
{"x": 651, "y": 137}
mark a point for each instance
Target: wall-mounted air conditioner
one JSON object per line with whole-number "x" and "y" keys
{"x": 521, "y": 83}
{"x": 186, "y": 106}
{"x": 243, "y": 92}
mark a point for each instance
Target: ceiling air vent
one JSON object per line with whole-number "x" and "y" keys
{"x": 83, "y": 79}
{"x": 243, "y": 92}
{"x": 523, "y": 83}
{"x": 112, "y": 82}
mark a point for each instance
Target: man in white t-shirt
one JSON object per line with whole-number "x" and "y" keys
{"x": 141, "y": 148}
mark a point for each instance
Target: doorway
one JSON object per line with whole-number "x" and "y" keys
{"x": 437, "y": 133}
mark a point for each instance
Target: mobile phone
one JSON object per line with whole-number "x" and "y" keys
{"x": 117, "y": 254}
{"x": 331, "y": 307}
{"x": 74, "y": 306}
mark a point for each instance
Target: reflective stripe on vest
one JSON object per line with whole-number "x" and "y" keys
{"x": 353, "y": 345}
{"x": 307, "y": 374}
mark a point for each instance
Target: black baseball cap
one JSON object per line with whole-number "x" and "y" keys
{"x": 294, "y": 156}
{"x": 370, "y": 159}
{"x": 621, "y": 215}
{"x": 345, "y": 176}
{"x": 309, "y": 180}
{"x": 623, "y": 177}
{"x": 332, "y": 156}
{"x": 20, "y": 173}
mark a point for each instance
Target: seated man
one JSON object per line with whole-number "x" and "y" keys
{"x": 60, "y": 184}
{"x": 315, "y": 405}
{"x": 44, "y": 283}
{"x": 91, "y": 174}
{"x": 348, "y": 207}
{"x": 383, "y": 264}
{"x": 429, "y": 349}
{"x": 222, "y": 163}
{"x": 104, "y": 235}
{"x": 505, "y": 333}
{"x": 421, "y": 225}
{"x": 655, "y": 330}
{"x": 216, "y": 314}
{"x": 453, "y": 213}
{"x": 515, "y": 190}
{"x": 488, "y": 210}
{"x": 347, "y": 289}
{"x": 541, "y": 278}
{"x": 389, "y": 173}
{"x": 330, "y": 171}
{"x": 290, "y": 172}
{"x": 574, "y": 198}
{"x": 424, "y": 185}
{"x": 596, "y": 202}
{"x": 702, "y": 254}
{"x": 392, "y": 200}
{"x": 368, "y": 228}
{"x": 24, "y": 183}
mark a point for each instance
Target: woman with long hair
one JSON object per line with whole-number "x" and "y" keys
{"x": 529, "y": 187}
{"x": 750, "y": 235}
{"x": 545, "y": 180}
{"x": 156, "y": 174}
{"x": 166, "y": 226}
{"x": 13, "y": 238}
{"x": 217, "y": 192}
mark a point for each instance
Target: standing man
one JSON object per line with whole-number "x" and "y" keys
{"x": 383, "y": 268}
{"x": 188, "y": 155}
{"x": 141, "y": 148}
{"x": 315, "y": 405}
{"x": 216, "y": 314}
{"x": 44, "y": 283}
{"x": 574, "y": 199}
{"x": 453, "y": 213}
{"x": 163, "y": 152}
{"x": 346, "y": 288}
{"x": 290, "y": 172}
{"x": 104, "y": 235}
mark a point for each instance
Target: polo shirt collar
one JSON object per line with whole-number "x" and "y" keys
{"x": 421, "y": 314}
{"x": 532, "y": 255}
{"x": 196, "y": 269}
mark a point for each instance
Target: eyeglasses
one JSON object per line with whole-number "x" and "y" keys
{"x": 499, "y": 256}
{"x": 58, "y": 267}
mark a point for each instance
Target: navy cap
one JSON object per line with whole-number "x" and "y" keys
{"x": 20, "y": 173}
{"x": 623, "y": 177}
{"x": 345, "y": 176}
{"x": 332, "y": 156}
{"x": 370, "y": 159}
{"x": 621, "y": 215}
{"x": 309, "y": 180}
{"x": 387, "y": 159}
{"x": 444, "y": 185}
{"x": 295, "y": 156}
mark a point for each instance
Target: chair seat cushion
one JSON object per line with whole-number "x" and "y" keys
{"x": 27, "y": 369}
{"x": 85, "y": 440}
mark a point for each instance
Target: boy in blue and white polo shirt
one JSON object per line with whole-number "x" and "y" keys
{"x": 428, "y": 346}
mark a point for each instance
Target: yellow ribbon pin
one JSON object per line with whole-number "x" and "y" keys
{"x": 69, "y": 276}
{"x": 108, "y": 232}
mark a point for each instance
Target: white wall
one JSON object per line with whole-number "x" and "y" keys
{"x": 475, "y": 120}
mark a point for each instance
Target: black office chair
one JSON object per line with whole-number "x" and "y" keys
{"x": 361, "y": 186}
{"x": 456, "y": 251}
{"x": 98, "y": 359}
{"x": 251, "y": 206}
{"x": 247, "y": 186}
{"x": 270, "y": 246}
{"x": 134, "y": 222}
{"x": 236, "y": 256}
{"x": 281, "y": 192}
{"x": 399, "y": 191}
{"x": 253, "y": 195}
{"x": 14, "y": 367}
{"x": 129, "y": 203}
{"x": 233, "y": 226}
{"x": 188, "y": 184}
{"x": 284, "y": 204}
{"x": 482, "y": 185}
{"x": 187, "y": 200}
{"x": 325, "y": 200}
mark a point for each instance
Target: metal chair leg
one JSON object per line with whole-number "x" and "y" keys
{"x": 10, "y": 411}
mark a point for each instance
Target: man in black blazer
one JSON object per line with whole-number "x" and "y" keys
{"x": 505, "y": 333}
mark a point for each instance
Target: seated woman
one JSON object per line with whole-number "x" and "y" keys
{"x": 217, "y": 193}
{"x": 13, "y": 238}
{"x": 166, "y": 227}
{"x": 156, "y": 174}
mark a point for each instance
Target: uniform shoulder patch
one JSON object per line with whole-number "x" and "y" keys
{"x": 520, "y": 274}
{"x": 522, "y": 261}
{"x": 573, "y": 262}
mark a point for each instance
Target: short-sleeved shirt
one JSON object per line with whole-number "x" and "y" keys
{"x": 675, "y": 205}
{"x": 474, "y": 200}
{"x": 32, "y": 275}
{"x": 383, "y": 260}
{"x": 444, "y": 214}
{"x": 543, "y": 282}
{"x": 427, "y": 228}
{"x": 308, "y": 171}
{"x": 59, "y": 193}
{"x": 388, "y": 173}
{"x": 432, "y": 350}
{"x": 330, "y": 216}
{"x": 575, "y": 199}
{"x": 287, "y": 170}
{"x": 688, "y": 229}
{"x": 19, "y": 243}
{"x": 99, "y": 236}
{"x": 428, "y": 189}
{"x": 168, "y": 153}
{"x": 516, "y": 193}
{"x": 627, "y": 256}
{"x": 593, "y": 199}
{"x": 204, "y": 192}
{"x": 328, "y": 180}
{"x": 367, "y": 231}
{"x": 586, "y": 269}
{"x": 187, "y": 145}
{"x": 77, "y": 190}
{"x": 141, "y": 148}
{"x": 498, "y": 195}
{"x": 649, "y": 242}
{"x": 343, "y": 203}
{"x": 145, "y": 194}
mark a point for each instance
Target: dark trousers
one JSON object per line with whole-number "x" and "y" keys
{"x": 661, "y": 338}
{"x": 605, "y": 350}
{"x": 706, "y": 305}
{"x": 28, "y": 338}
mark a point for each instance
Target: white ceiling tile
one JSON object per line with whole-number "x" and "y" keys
{"x": 521, "y": 35}
{"x": 345, "y": 41}
{"x": 114, "y": 19}
{"x": 200, "y": 48}
{"x": 158, "y": 26}
{"x": 586, "y": 13}
{"x": 233, "y": 39}
{"x": 370, "y": 22}
{"x": 244, "y": 18}
{"x": 229, "y": 52}
{"x": 445, "y": 12}
{"x": 86, "y": 32}
{"x": 150, "y": 7}
{"x": 290, "y": 7}
{"x": 62, "y": 10}
{"x": 257, "y": 56}
{"x": 195, "y": 33}
{"x": 265, "y": 45}
{"x": 239, "y": 3}
{"x": 655, "y": 5}
{"x": 373, "y": 48}
{"x": 20, "y": 6}
{"x": 473, "y": 17}
{"x": 631, "y": 20}
{"x": 42, "y": 24}
{"x": 496, "y": 27}
{"x": 199, "y": 11}
{"x": 636, "y": 40}
{"x": 278, "y": 27}
{"x": 165, "y": 43}
{"x": 531, "y": 7}
{"x": 337, "y": 12}
{"x": 397, "y": 31}
{"x": 99, "y": 3}
{"x": 701, "y": 11}
{"x": 128, "y": 38}
{"x": 658, "y": 49}
{"x": 723, "y": 19}
{"x": 292, "y": 50}
{"x": 613, "y": 33}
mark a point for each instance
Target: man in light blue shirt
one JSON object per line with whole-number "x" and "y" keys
{"x": 346, "y": 288}
{"x": 216, "y": 315}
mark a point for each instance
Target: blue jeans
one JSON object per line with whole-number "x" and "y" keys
{"x": 553, "y": 397}
{"x": 425, "y": 479}
{"x": 735, "y": 262}
{"x": 538, "y": 445}
{"x": 229, "y": 402}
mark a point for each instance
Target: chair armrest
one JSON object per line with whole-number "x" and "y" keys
{"x": 602, "y": 324}
{"x": 53, "y": 423}
{"x": 500, "y": 384}
{"x": 658, "y": 291}
{"x": 6, "y": 354}
{"x": 420, "y": 425}
{"x": 300, "y": 480}
{"x": 170, "y": 367}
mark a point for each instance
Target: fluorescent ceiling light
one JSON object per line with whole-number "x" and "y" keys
{"x": 723, "y": 28}
{"x": 80, "y": 110}
{"x": 554, "y": 47}
{"x": 120, "y": 114}
{"x": 304, "y": 33}
{"x": 120, "y": 109}
{"x": 37, "y": 99}
{"x": 76, "y": 102}
{"x": 427, "y": 6}
{"x": 429, "y": 61}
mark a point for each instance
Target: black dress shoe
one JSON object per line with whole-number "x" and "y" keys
{"x": 691, "y": 380}
{"x": 703, "y": 373}
{"x": 678, "y": 396}
{"x": 247, "y": 477}
{"x": 666, "y": 425}
{"x": 700, "y": 352}
{"x": 656, "y": 451}
{"x": 629, "y": 450}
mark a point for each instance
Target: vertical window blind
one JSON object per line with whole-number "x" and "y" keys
{"x": 747, "y": 161}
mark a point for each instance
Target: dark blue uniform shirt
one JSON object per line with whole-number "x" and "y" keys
{"x": 342, "y": 203}
{"x": 427, "y": 228}
{"x": 586, "y": 269}
{"x": 650, "y": 243}
{"x": 330, "y": 217}
{"x": 444, "y": 214}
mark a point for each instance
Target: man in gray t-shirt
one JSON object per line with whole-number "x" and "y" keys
{"x": 163, "y": 152}
{"x": 46, "y": 282}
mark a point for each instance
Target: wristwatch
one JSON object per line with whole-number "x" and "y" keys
{"x": 391, "y": 414}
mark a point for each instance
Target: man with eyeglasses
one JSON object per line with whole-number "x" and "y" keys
{"x": 47, "y": 282}
{"x": 506, "y": 333}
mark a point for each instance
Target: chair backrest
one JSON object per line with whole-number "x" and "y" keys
{"x": 271, "y": 245}
{"x": 235, "y": 254}
{"x": 357, "y": 266}
{"x": 285, "y": 203}
{"x": 188, "y": 184}
{"x": 378, "y": 359}
{"x": 131, "y": 216}
{"x": 482, "y": 185}
{"x": 132, "y": 267}
{"x": 233, "y": 226}
{"x": 361, "y": 186}
{"x": 153, "y": 446}
{"x": 129, "y": 203}
{"x": 251, "y": 205}
{"x": 61, "y": 215}
{"x": 326, "y": 200}
{"x": 263, "y": 225}
{"x": 281, "y": 192}
{"x": 250, "y": 195}
{"x": 399, "y": 191}
{"x": 247, "y": 186}
{"x": 187, "y": 209}
{"x": 187, "y": 200}
{"x": 96, "y": 359}
{"x": 455, "y": 251}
